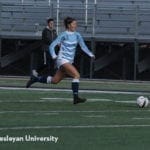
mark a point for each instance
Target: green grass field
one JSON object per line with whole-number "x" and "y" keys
{"x": 107, "y": 121}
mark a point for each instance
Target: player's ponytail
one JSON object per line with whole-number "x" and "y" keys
{"x": 68, "y": 21}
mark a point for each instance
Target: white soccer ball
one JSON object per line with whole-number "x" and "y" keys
{"x": 142, "y": 101}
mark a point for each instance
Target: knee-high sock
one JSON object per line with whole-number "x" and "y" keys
{"x": 75, "y": 87}
{"x": 44, "y": 79}
{"x": 34, "y": 73}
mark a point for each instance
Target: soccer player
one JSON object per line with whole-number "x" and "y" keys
{"x": 67, "y": 41}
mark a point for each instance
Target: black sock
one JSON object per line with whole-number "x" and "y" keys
{"x": 75, "y": 87}
{"x": 42, "y": 79}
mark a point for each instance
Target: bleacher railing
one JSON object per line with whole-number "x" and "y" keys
{"x": 94, "y": 19}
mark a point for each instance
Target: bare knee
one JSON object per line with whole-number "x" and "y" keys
{"x": 76, "y": 76}
{"x": 54, "y": 81}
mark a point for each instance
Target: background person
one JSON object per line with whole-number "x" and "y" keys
{"x": 48, "y": 36}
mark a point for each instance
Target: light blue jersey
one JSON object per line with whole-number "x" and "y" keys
{"x": 68, "y": 42}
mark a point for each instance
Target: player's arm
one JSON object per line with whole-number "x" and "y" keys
{"x": 52, "y": 46}
{"x": 84, "y": 47}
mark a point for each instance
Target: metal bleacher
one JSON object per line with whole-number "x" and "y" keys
{"x": 99, "y": 20}
{"x": 23, "y": 20}
{"x": 107, "y": 18}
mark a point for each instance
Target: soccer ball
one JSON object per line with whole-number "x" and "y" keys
{"x": 142, "y": 101}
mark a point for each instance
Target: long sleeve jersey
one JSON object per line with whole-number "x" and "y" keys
{"x": 68, "y": 42}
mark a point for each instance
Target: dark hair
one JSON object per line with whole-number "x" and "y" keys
{"x": 49, "y": 20}
{"x": 68, "y": 21}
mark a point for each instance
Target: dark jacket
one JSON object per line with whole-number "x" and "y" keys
{"x": 47, "y": 37}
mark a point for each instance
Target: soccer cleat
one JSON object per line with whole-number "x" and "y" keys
{"x": 32, "y": 80}
{"x": 78, "y": 100}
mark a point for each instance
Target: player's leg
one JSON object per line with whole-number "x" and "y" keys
{"x": 60, "y": 75}
{"x": 70, "y": 70}
{"x": 47, "y": 79}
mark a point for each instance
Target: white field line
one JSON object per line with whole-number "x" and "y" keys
{"x": 91, "y": 100}
{"x": 75, "y": 127}
{"x": 46, "y": 114}
{"x": 51, "y": 99}
{"x": 24, "y": 101}
{"x": 31, "y": 112}
{"x": 128, "y": 102}
{"x": 95, "y": 116}
{"x": 72, "y": 111}
{"x": 67, "y": 90}
{"x": 144, "y": 118}
{"x": 57, "y": 99}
